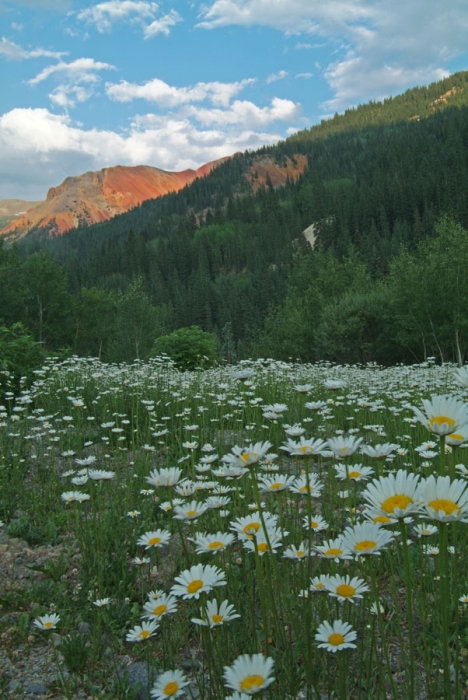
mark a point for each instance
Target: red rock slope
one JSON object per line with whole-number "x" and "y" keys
{"x": 98, "y": 196}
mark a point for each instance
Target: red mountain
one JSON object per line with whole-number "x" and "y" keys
{"x": 98, "y": 196}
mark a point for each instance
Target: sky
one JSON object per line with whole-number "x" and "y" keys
{"x": 177, "y": 83}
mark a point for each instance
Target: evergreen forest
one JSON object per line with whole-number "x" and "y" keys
{"x": 383, "y": 278}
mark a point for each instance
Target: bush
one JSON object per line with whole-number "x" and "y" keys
{"x": 20, "y": 354}
{"x": 188, "y": 347}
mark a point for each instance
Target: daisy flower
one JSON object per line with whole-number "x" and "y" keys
{"x": 249, "y": 525}
{"x": 189, "y": 511}
{"x": 264, "y": 542}
{"x": 343, "y": 447}
{"x": 316, "y": 523}
{"x": 394, "y": 495}
{"x": 273, "y": 484}
{"x": 47, "y": 622}
{"x": 170, "y": 684}
{"x": 378, "y": 451}
{"x": 164, "y": 477}
{"x": 70, "y": 496}
{"x": 303, "y": 447}
{"x": 154, "y": 538}
{"x": 425, "y": 530}
{"x": 357, "y": 472}
{"x": 212, "y": 543}
{"x": 297, "y": 553}
{"x": 336, "y": 636}
{"x": 333, "y": 549}
{"x": 246, "y": 456}
{"x": 366, "y": 538}
{"x": 442, "y": 415}
{"x": 455, "y": 439}
{"x": 345, "y": 587}
{"x": 318, "y": 584}
{"x": 444, "y": 500}
{"x": 214, "y": 615}
{"x": 100, "y": 474}
{"x": 198, "y": 579}
{"x": 249, "y": 674}
{"x": 141, "y": 632}
{"x": 308, "y": 483}
{"x": 163, "y": 605}
{"x": 102, "y": 602}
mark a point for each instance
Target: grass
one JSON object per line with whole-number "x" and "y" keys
{"x": 118, "y": 424}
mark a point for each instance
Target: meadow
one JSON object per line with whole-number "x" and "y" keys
{"x": 274, "y": 530}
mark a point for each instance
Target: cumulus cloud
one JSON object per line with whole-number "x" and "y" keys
{"x": 249, "y": 115}
{"x": 16, "y": 53}
{"x": 162, "y": 25}
{"x": 105, "y": 14}
{"x": 382, "y": 46}
{"x": 40, "y": 149}
{"x": 82, "y": 70}
{"x": 273, "y": 77}
{"x": 165, "y": 95}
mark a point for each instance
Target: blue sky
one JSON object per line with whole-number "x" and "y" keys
{"x": 177, "y": 83}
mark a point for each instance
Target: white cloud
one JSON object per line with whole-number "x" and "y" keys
{"x": 385, "y": 46}
{"x": 39, "y": 149}
{"x": 273, "y": 77}
{"x": 14, "y": 52}
{"x": 248, "y": 114}
{"x": 66, "y": 96}
{"x": 165, "y": 95}
{"x": 304, "y": 75}
{"x": 105, "y": 14}
{"x": 82, "y": 70}
{"x": 162, "y": 25}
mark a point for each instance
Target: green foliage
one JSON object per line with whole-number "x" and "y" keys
{"x": 20, "y": 355}
{"x": 188, "y": 347}
{"x": 25, "y": 529}
{"x": 75, "y": 650}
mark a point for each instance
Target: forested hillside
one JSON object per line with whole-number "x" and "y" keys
{"x": 386, "y": 280}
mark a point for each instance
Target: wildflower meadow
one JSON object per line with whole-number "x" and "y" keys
{"x": 281, "y": 531}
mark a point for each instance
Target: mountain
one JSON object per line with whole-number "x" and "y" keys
{"x": 11, "y": 209}
{"x": 97, "y": 196}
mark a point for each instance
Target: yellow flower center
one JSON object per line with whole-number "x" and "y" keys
{"x": 345, "y": 591}
{"x": 171, "y": 688}
{"x": 319, "y": 585}
{"x": 354, "y": 475}
{"x": 365, "y": 545}
{"x": 194, "y": 586}
{"x": 336, "y": 639}
{"x": 262, "y": 547}
{"x": 440, "y": 420}
{"x": 154, "y": 540}
{"x": 276, "y": 485}
{"x": 456, "y": 436}
{"x": 144, "y": 634}
{"x": 251, "y": 682}
{"x": 251, "y": 527}
{"x": 216, "y": 545}
{"x": 381, "y": 519}
{"x": 399, "y": 500}
{"x": 245, "y": 457}
{"x": 314, "y": 524}
{"x": 48, "y": 624}
{"x": 303, "y": 489}
{"x": 304, "y": 448}
{"x": 334, "y": 552}
{"x": 217, "y": 619}
{"x": 192, "y": 512}
{"x": 448, "y": 507}
{"x": 300, "y": 553}
{"x": 160, "y": 610}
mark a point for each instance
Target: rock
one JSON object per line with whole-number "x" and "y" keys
{"x": 36, "y": 689}
{"x": 84, "y": 628}
{"x": 137, "y": 674}
{"x": 14, "y": 686}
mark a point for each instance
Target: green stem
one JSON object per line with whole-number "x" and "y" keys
{"x": 444, "y": 608}
{"x": 409, "y": 604}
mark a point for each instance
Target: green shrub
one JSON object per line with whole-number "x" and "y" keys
{"x": 189, "y": 348}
